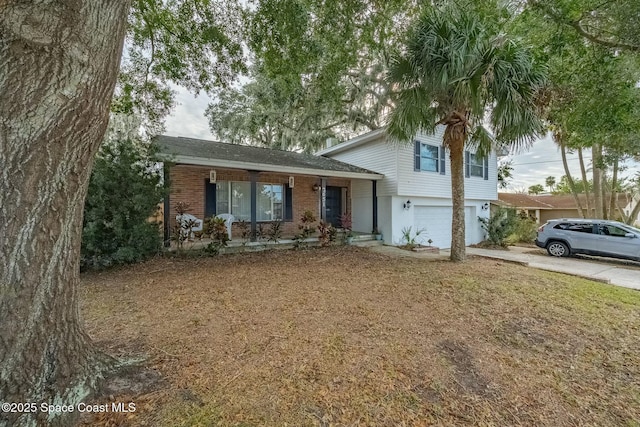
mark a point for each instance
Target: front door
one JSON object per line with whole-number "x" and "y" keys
{"x": 334, "y": 205}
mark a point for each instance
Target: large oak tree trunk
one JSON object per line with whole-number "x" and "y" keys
{"x": 454, "y": 137}
{"x": 58, "y": 67}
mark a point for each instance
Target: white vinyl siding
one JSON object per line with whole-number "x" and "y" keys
{"x": 362, "y": 205}
{"x": 377, "y": 156}
{"x": 417, "y": 183}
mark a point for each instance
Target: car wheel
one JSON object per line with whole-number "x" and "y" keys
{"x": 558, "y": 249}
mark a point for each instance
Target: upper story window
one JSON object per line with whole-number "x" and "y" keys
{"x": 428, "y": 157}
{"x": 475, "y": 165}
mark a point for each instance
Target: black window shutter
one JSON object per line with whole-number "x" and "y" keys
{"x": 467, "y": 172}
{"x": 442, "y": 160}
{"x": 209, "y": 199}
{"x": 486, "y": 168}
{"x": 416, "y": 150}
{"x": 288, "y": 203}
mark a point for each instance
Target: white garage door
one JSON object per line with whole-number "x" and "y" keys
{"x": 436, "y": 221}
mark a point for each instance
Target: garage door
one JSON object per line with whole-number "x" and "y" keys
{"x": 436, "y": 221}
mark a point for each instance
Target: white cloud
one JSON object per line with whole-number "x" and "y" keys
{"x": 187, "y": 118}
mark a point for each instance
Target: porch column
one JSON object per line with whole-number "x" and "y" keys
{"x": 323, "y": 199}
{"x": 374, "y": 192}
{"x": 253, "y": 178}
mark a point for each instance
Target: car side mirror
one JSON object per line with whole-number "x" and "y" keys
{"x": 631, "y": 235}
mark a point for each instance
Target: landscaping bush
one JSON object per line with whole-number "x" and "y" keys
{"x": 525, "y": 230}
{"x": 499, "y": 225}
{"x": 125, "y": 191}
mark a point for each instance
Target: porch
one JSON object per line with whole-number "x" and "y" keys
{"x": 260, "y": 187}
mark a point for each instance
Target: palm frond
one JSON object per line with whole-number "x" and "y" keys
{"x": 481, "y": 141}
{"x": 413, "y": 112}
{"x": 456, "y": 62}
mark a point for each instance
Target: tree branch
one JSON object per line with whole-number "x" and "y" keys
{"x": 615, "y": 45}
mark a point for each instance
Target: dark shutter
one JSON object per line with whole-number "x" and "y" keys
{"x": 486, "y": 167}
{"x": 209, "y": 199}
{"x": 416, "y": 150}
{"x": 288, "y": 203}
{"x": 467, "y": 171}
{"x": 442, "y": 161}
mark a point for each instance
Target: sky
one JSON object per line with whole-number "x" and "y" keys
{"x": 529, "y": 168}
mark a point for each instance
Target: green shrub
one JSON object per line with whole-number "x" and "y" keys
{"x": 125, "y": 190}
{"x": 525, "y": 230}
{"x": 409, "y": 239}
{"x": 499, "y": 225}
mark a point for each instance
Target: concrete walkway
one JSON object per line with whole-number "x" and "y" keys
{"x": 614, "y": 272}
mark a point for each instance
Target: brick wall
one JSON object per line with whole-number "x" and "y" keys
{"x": 188, "y": 186}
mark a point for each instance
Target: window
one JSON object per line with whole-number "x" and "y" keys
{"x": 476, "y": 166}
{"x": 235, "y": 198}
{"x": 580, "y": 228}
{"x": 611, "y": 230}
{"x": 429, "y": 158}
{"x": 269, "y": 202}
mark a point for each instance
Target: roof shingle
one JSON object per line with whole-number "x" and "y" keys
{"x": 199, "y": 148}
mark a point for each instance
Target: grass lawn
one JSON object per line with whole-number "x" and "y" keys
{"x": 344, "y": 336}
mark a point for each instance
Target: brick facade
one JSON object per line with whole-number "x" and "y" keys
{"x": 188, "y": 185}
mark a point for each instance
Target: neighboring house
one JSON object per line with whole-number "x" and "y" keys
{"x": 416, "y": 188}
{"x": 257, "y": 185}
{"x": 546, "y": 207}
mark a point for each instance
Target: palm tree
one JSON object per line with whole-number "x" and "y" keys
{"x": 457, "y": 71}
{"x": 550, "y": 182}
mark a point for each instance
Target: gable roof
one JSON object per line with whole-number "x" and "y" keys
{"x": 555, "y": 201}
{"x": 219, "y": 154}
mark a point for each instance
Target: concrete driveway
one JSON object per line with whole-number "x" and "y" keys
{"x": 606, "y": 270}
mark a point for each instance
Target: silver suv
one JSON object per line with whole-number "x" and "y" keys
{"x": 564, "y": 237}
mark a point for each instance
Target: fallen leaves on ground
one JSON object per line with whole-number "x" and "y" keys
{"x": 344, "y": 336}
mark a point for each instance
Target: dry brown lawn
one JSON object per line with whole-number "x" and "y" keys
{"x": 347, "y": 337}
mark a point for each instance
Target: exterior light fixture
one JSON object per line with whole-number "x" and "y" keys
{"x": 316, "y": 187}
{"x": 485, "y": 207}
{"x": 407, "y": 205}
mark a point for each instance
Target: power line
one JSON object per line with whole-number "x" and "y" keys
{"x": 548, "y": 161}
